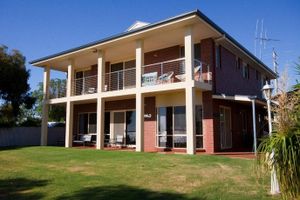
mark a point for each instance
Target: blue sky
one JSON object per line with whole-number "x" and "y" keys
{"x": 40, "y": 28}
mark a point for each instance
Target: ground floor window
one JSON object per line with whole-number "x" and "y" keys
{"x": 171, "y": 131}
{"x": 199, "y": 130}
{"x": 87, "y": 124}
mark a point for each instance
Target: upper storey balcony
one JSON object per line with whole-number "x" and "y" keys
{"x": 167, "y": 57}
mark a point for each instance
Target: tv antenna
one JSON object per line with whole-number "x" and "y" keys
{"x": 262, "y": 38}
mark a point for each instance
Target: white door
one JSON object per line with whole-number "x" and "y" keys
{"x": 225, "y": 128}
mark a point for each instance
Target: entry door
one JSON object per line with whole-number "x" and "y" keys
{"x": 119, "y": 124}
{"x": 225, "y": 128}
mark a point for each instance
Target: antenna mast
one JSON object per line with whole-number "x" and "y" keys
{"x": 275, "y": 65}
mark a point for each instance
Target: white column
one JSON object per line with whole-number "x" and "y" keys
{"x": 190, "y": 120}
{"x": 254, "y": 124}
{"x": 100, "y": 123}
{"x": 139, "y": 104}
{"x": 44, "y": 128}
{"x": 69, "y": 124}
{"x": 69, "y": 107}
{"x": 190, "y": 91}
{"x": 189, "y": 53}
{"x": 100, "y": 101}
{"x": 139, "y": 58}
{"x": 101, "y": 70}
{"x": 70, "y": 78}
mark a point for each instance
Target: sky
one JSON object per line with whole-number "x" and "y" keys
{"x": 41, "y": 28}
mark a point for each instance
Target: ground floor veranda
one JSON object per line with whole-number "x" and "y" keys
{"x": 219, "y": 124}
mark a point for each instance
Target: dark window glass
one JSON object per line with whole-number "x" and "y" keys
{"x": 197, "y": 51}
{"x": 92, "y": 123}
{"x": 106, "y": 127}
{"x": 130, "y": 127}
{"x": 179, "y": 120}
{"x": 83, "y": 123}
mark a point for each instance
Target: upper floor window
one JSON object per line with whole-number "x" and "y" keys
{"x": 245, "y": 70}
{"x": 237, "y": 63}
{"x": 197, "y": 51}
{"x": 218, "y": 56}
{"x": 257, "y": 74}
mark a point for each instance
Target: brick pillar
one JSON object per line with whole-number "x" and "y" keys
{"x": 208, "y": 57}
{"x": 208, "y": 123}
{"x": 149, "y": 125}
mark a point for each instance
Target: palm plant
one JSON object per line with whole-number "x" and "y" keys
{"x": 281, "y": 151}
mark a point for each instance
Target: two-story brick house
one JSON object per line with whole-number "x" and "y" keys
{"x": 182, "y": 84}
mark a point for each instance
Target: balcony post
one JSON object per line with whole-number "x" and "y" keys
{"x": 69, "y": 107}
{"x": 139, "y": 54}
{"x": 70, "y": 78}
{"x": 139, "y": 102}
{"x": 190, "y": 120}
{"x": 189, "y": 53}
{"x": 45, "y": 107}
{"x": 100, "y": 100}
{"x": 101, "y": 71}
{"x": 69, "y": 124}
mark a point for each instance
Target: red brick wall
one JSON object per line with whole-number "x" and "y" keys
{"x": 161, "y": 55}
{"x": 150, "y": 125}
{"x": 208, "y": 123}
{"x": 207, "y": 56}
{"x": 229, "y": 78}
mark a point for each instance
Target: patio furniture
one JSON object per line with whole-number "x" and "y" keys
{"x": 165, "y": 78}
{"x": 84, "y": 139}
{"x": 120, "y": 140}
{"x": 197, "y": 75}
{"x": 149, "y": 79}
{"x": 91, "y": 90}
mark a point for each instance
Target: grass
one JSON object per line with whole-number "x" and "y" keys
{"x": 60, "y": 173}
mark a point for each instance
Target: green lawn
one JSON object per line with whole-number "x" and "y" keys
{"x": 59, "y": 173}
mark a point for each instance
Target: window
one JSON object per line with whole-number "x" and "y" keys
{"x": 197, "y": 51}
{"x": 237, "y": 63}
{"x": 199, "y": 130}
{"x": 122, "y": 75}
{"x": 245, "y": 70}
{"x": 106, "y": 127}
{"x": 257, "y": 74}
{"x": 172, "y": 127}
{"x": 218, "y": 56}
{"x": 87, "y": 123}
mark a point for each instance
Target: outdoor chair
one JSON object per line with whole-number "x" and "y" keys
{"x": 166, "y": 78}
{"x": 84, "y": 139}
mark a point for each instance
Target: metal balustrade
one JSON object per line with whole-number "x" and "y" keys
{"x": 57, "y": 92}
{"x": 164, "y": 72}
{"x": 120, "y": 80}
{"x": 170, "y": 71}
{"x": 85, "y": 85}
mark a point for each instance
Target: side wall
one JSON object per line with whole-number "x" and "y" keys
{"x": 229, "y": 76}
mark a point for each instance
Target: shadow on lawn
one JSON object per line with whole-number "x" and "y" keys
{"x": 124, "y": 192}
{"x": 20, "y": 188}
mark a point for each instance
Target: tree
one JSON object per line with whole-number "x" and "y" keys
{"x": 57, "y": 89}
{"x": 14, "y": 87}
{"x": 281, "y": 151}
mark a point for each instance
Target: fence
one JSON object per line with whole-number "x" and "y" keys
{"x": 30, "y": 136}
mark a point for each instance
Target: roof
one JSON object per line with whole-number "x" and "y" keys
{"x": 178, "y": 17}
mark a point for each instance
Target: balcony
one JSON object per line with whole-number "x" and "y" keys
{"x": 173, "y": 71}
{"x": 85, "y": 85}
{"x": 167, "y": 72}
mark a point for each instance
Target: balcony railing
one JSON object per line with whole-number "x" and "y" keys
{"x": 120, "y": 80}
{"x": 173, "y": 71}
{"x": 85, "y": 85}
